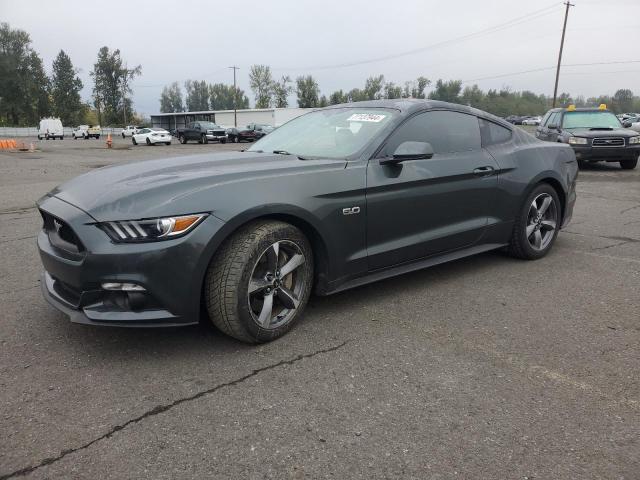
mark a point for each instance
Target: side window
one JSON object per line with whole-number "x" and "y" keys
{"x": 446, "y": 131}
{"x": 492, "y": 133}
{"x": 544, "y": 120}
{"x": 553, "y": 120}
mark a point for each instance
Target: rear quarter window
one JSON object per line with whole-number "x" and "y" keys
{"x": 492, "y": 133}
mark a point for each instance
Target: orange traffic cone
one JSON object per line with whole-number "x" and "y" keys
{"x": 14, "y": 144}
{"x": 109, "y": 141}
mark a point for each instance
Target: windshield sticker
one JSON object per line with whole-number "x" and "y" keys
{"x": 366, "y": 117}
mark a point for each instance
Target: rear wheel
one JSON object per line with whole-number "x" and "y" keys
{"x": 204, "y": 139}
{"x": 122, "y": 134}
{"x": 629, "y": 164}
{"x": 259, "y": 282}
{"x": 536, "y": 227}
{"x": 167, "y": 143}
{"x": 148, "y": 142}
{"x": 133, "y": 140}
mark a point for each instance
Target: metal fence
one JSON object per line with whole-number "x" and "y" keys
{"x": 13, "y": 132}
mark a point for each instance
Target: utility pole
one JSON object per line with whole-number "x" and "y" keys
{"x": 564, "y": 29}
{"x": 235, "y": 97}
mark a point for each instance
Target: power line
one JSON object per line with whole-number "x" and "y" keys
{"x": 541, "y": 69}
{"x": 495, "y": 28}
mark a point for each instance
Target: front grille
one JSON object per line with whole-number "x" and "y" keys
{"x": 608, "y": 142}
{"x": 61, "y": 235}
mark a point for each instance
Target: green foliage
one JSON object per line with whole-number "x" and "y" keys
{"x": 111, "y": 86}
{"x": 373, "y": 88}
{"x": 197, "y": 95}
{"x": 171, "y": 99}
{"x": 622, "y": 101}
{"x": 308, "y": 92}
{"x": 323, "y": 101}
{"x": 222, "y": 95}
{"x": 65, "y": 90}
{"x": 448, "y": 91}
{"x": 24, "y": 86}
{"x": 281, "y": 91}
{"x": 391, "y": 90}
{"x": 338, "y": 97}
{"x": 261, "y": 83}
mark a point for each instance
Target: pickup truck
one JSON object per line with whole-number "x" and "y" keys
{"x": 86, "y": 132}
{"x": 203, "y": 132}
{"x": 130, "y": 130}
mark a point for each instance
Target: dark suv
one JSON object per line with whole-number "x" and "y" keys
{"x": 595, "y": 134}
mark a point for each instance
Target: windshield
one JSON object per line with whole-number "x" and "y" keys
{"x": 331, "y": 133}
{"x": 593, "y": 119}
{"x": 209, "y": 125}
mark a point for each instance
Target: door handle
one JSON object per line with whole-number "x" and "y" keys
{"x": 484, "y": 171}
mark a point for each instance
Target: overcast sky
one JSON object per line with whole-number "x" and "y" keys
{"x": 179, "y": 40}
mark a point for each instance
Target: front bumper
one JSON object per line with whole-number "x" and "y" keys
{"x": 171, "y": 272}
{"x": 606, "y": 154}
{"x": 219, "y": 138}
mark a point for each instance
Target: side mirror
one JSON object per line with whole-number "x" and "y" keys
{"x": 626, "y": 124}
{"x": 552, "y": 126}
{"x": 409, "y": 151}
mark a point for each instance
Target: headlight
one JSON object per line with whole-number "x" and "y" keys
{"x": 578, "y": 141}
{"x": 634, "y": 140}
{"x": 149, "y": 230}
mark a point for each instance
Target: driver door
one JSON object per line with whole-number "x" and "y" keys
{"x": 420, "y": 208}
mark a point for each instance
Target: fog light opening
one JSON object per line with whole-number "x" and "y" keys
{"x": 123, "y": 287}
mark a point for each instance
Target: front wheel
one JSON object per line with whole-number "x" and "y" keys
{"x": 204, "y": 139}
{"x": 122, "y": 134}
{"x": 258, "y": 283}
{"x": 133, "y": 140}
{"x": 629, "y": 164}
{"x": 224, "y": 140}
{"x": 148, "y": 142}
{"x": 536, "y": 227}
{"x": 182, "y": 139}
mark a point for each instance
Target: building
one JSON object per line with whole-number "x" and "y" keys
{"x": 269, "y": 116}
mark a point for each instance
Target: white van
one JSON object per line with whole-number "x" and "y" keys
{"x": 50, "y": 128}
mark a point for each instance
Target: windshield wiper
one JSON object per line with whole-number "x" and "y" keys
{"x": 284, "y": 152}
{"x": 601, "y": 128}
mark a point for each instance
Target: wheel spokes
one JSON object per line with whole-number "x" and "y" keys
{"x": 530, "y": 229}
{"x": 537, "y": 239}
{"x": 548, "y": 224}
{"x": 257, "y": 284}
{"x": 265, "y": 314}
{"x": 288, "y": 299}
{"x": 272, "y": 257}
{"x": 293, "y": 263}
{"x": 545, "y": 205}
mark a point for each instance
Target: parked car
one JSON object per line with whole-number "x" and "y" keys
{"x": 151, "y": 136}
{"x": 336, "y": 198}
{"x": 250, "y": 133}
{"x": 629, "y": 119}
{"x": 635, "y": 126}
{"x": 595, "y": 134}
{"x": 515, "y": 119}
{"x": 203, "y": 132}
{"x": 86, "y": 132}
{"x": 130, "y": 130}
{"x": 50, "y": 128}
{"x": 532, "y": 121}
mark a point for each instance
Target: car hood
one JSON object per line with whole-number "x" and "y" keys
{"x": 176, "y": 186}
{"x": 616, "y": 132}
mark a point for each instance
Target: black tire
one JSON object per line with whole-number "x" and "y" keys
{"x": 133, "y": 140}
{"x": 182, "y": 139}
{"x": 629, "y": 164}
{"x": 203, "y": 139}
{"x": 167, "y": 143}
{"x": 123, "y": 135}
{"x": 85, "y": 137}
{"x": 97, "y": 137}
{"x": 227, "y": 280}
{"x": 148, "y": 142}
{"x": 236, "y": 140}
{"x": 519, "y": 245}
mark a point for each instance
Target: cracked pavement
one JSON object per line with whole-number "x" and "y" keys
{"x": 487, "y": 367}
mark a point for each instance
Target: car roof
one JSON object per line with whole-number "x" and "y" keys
{"x": 407, "y": 106}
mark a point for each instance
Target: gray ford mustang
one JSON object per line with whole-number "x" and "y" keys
{"x": 334, "y": 199}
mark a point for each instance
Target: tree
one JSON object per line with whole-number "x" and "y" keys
{"x": 622, "y": 101}
{"x": 356, "y": 95}
{"x": 112, "y": 79}
{"x": 281, "y": 91}
{"x": 261, "y": 83}
{"x": 415, "y": 88}
{"x": 338, "y": 97}
{"x": 197, "y": 95}
{"x": 308, "y": 92}
{"x": 447, "y": 91}
{"x": 65, "y": 90}
{"x": 221, "y": 97}
{"x": 171, "y": 99}
{"x": 24, "y": 86}
{"x": 391, "y": 90}
{"x": 323, "y": 102}
{"x": 373, "y": 87}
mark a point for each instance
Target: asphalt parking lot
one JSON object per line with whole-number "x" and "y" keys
{"x": 485, "y": 368}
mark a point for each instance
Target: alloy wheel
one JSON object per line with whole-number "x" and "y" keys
{"x": 277, "y": 284}
{"x": 542, "y": 221}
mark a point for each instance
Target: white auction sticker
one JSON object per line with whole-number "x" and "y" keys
{"x": 366, "y": 117}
